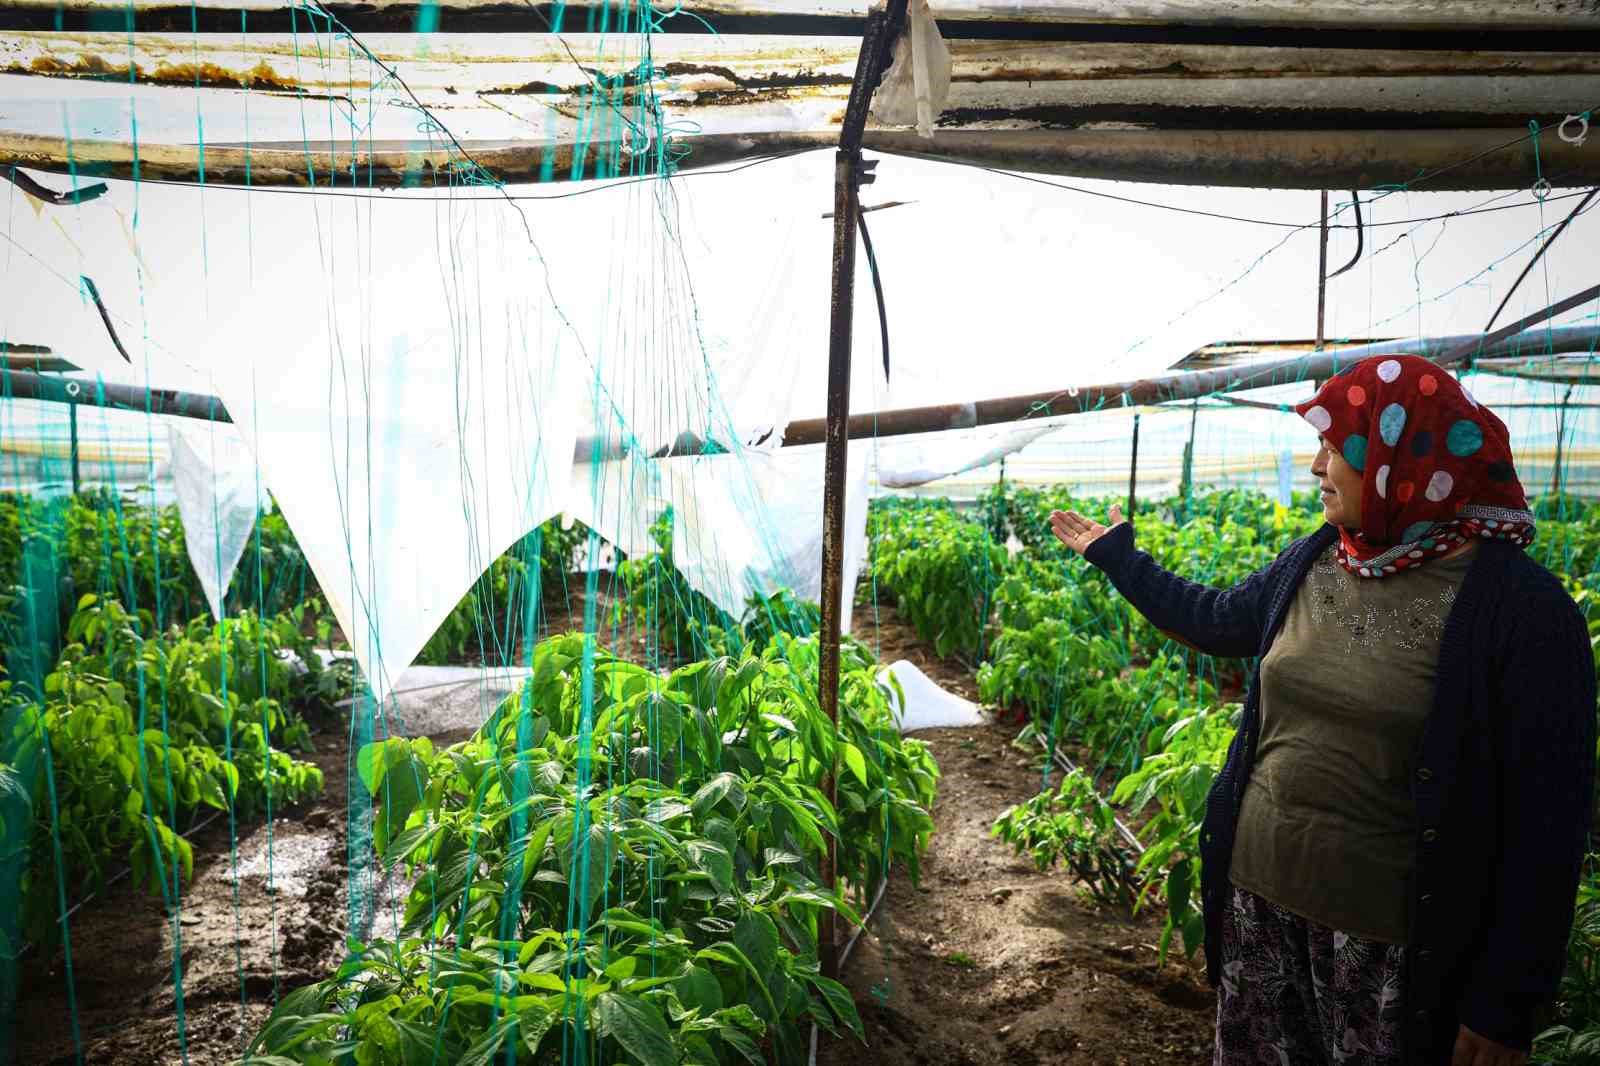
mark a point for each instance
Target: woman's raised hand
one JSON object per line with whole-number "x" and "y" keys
{"x": 1078, "y": 532}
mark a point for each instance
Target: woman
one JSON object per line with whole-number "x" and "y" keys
{"x": 1391, "y": 852}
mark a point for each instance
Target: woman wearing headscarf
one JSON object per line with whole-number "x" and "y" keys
{"x": 1391, "y": 852}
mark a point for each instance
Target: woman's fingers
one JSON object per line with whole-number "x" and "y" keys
{"x": 1074, "y": 530}
{"x": 1116, "y": 514}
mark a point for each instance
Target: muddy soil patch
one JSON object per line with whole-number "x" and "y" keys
{"x": 263, "y": 914}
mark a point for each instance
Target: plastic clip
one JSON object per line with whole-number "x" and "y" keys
{"x": 1583, "y": 131}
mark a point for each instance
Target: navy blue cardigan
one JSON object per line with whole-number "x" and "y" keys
{"x": 1504, "y": 780}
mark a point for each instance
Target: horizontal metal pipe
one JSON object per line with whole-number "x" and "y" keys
{"x": 1181, "y": 386}
{"x": 1430, "y": 160}
{"x": 386, "y": 164}
{"x": 1503, "y": 357}
{"x": 1426, "y": 159}
{"x": 1463, "y": 25}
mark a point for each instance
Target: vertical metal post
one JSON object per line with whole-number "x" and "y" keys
{"x": 1322, "y": 274}
{"x": 72, "y": 426}
{"x": 847, "y": 170}
{"x": 881, "y": 29}
{"x": 1561, "y": 432}
{"x": 1133, "y": 472}
{"x": 1187, "y": 494}
{"x": 1133, "y": 506}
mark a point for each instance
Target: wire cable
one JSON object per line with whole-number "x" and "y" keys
{"x": 1548, "y": 241}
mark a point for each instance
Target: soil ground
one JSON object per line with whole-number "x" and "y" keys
{"x": 987, "y": 961}
{"x": 990, "y": 961}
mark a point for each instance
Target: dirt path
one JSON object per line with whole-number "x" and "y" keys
{"x": 990, "y": 961}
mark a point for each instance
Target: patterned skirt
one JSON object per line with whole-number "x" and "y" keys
{"x": 1295, "y": 993}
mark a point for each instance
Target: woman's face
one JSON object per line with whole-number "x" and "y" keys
{"x": 1341, "y": 487}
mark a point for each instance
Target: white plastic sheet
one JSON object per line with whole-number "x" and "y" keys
{"x": 927, "y": 705}
{"x": 214, "y": 477}
{"x": 406, "y": 398}
{"x": 744, "y": 524}
{"x": 751, "y": 523}
{"x": 917, "y": 83}
{"x": 929, "y": 458}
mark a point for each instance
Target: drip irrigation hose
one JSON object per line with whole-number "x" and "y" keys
{"x": 351, "y": 701}
{"x": 877, "y": 288}
{"x": 1067, "y": 765}
{"x": 844, "y": 955}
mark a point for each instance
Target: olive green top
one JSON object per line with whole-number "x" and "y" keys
{"x": 1327, "y": 826}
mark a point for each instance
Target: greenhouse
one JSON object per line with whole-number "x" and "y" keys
{"x": 588, "y": 533}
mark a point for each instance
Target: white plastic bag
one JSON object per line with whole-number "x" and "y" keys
{"x": 917, "y": 83}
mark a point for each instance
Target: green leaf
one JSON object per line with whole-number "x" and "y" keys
{"x": 699, "y": 988}
{"x": 623, "y": 968}
{"x": 1178, "y": 888}
{"x": 756, "y": 936}
{"x": 375, "y": 760}
{"x": 714, "y": 791}
{"x": 714, "y": 859}
{"x": 740, "y": 1041}
{"x": 638, "y": 1026}
{"x": 840, "y": 1002}
{"x": 855, "y": 761}
{"x": 534, "y": 1024}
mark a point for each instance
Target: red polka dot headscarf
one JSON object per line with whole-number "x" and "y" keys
{"x": 1435, "y": 466}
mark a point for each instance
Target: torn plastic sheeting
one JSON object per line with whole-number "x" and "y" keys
{"x": 921, "y": 461}
{"x": 407, "y": 442}
{"x": 751, "y": 523}
{"x": 917, "y": 84}
{"x": 928, "y": 706}
{"x": 744, "y": 524}
{"x": 218, "y": 489}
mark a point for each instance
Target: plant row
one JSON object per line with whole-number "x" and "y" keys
{"x": 134, "y": 733}
{"x": 1060, "y": 644}
{"x": 620, "y": 866}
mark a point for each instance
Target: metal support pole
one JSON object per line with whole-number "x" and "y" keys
{"x": 1322, "y": 275}
{"x": 72, "y": 426}
{"x": 1133, "y": 506}
{"x": 881, "y": 29}
{"x": 1187, "y": 495}
{"x": 1133, "y": 472}
{"x": 847, "y": 173}
{"x": 1561, "y": 433}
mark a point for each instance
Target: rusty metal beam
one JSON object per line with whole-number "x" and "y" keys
{"x": 378, "y": 164}
{"x": 1465, "y": 25}
{"x": 1523, "y": 355}
{"x": 1183, "y": 386}
{"x": 1430, "y": 160}
{"x": 850, "y": 173}
{"x": 452, "y": 68}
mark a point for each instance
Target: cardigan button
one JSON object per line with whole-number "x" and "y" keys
{"x": 1424, "y": 774}
{"x": 1421, "y": 1017}
{"x": 1425, "y": 898}
{"x": 1423, "y": 954}
{"x": 1430, "y": 835}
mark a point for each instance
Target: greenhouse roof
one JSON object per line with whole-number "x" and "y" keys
{"x": 1303, "y": 95}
